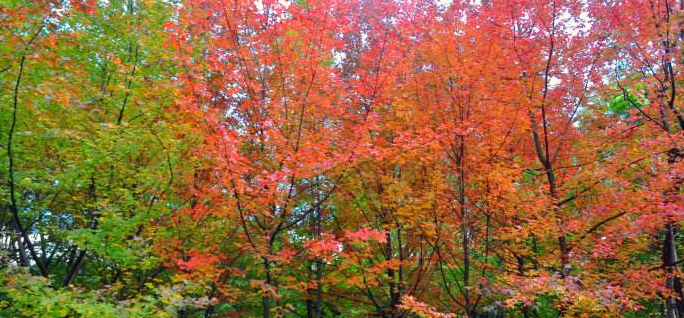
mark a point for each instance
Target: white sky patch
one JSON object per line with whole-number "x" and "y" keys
{"x": 338, "y": 58}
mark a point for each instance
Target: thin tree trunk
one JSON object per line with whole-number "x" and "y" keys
{"x": 266, "y": 298}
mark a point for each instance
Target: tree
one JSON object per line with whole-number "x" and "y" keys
{"x": 89, "y": 153}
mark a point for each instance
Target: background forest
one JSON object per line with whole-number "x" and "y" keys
{"x": 341, "y": 158}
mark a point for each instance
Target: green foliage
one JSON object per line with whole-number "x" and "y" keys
{"x": 96, "y": 152}
{"x": 622, "y": 104}
{"x": 25, "y": 295}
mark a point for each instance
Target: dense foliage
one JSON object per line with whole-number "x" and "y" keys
{"x": 341, "y": 158}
